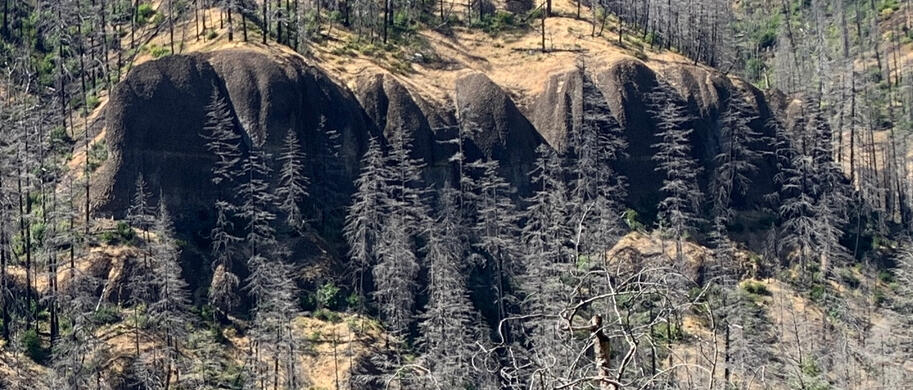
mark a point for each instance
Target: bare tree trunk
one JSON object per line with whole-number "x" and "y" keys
{"x": 602, "y": 352}
{"x": 543, "y": 32}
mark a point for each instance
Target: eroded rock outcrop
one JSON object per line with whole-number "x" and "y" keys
{"x": 155, "y": 116}
{"x": 625, "y": 86}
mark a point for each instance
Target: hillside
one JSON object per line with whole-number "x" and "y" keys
{"x": 498, "y": 200}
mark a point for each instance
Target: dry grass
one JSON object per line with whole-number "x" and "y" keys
{"x": 512, "y": 59}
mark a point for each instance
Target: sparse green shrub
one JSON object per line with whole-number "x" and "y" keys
{"x": 122, "y": 234}
{"x": 630, "y": 217}
{"x": 886, "y": 277}
{"x": 212, "y": 34}
{"x": 353, "y": 300}
{"x": 887, "y": 7}
{"x": 818, "y": 292}
{"x": 665, "y": 333}
{"x": 498, "y": 22}
{"x": 106, "y": 314}
{"x": 157, "y": 51}
{"x": 879, "y": 298}
{"x": 307, "y": 302}
{"x": 98, "y": 154}
{"x": 328, "y": 296}
{"x": 651, "y": 39}
{"x": 328, "y": 316}
{"x": 537, "y": 12}
{"x": 158, "y": 18}
{"x": 144, "y": 13}
{"x": 849, "y": 279}
{"x": 336, "y": 16}
{"x": 60, "y": 140}
{"x": 755, "y": 288}
{"x": 92, "y": 102}
{"x": 754, "y": 68}
{"x": 31, "y": 344}
{"x": 583, "y": 262}
{"x": 37, "y": 232}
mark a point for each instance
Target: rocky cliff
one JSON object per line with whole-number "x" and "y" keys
{"x": 154, "y": 118}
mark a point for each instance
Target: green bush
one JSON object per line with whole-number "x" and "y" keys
{"x": 755, "y": 288}
{"x": 665, "y": 332}
{"x": 497, "y": 22}
{"x": 328, "y": 296}
{"x": 157, "y": 51}
{"x": 630, "y": 217}
{"x": 31, "y": 343}
{"x": 353, "y": 300}
{"x": 91, "y": 103}
{"x": 818, "y": 292}
{"x": 886, "y": 7}
{"x": 98, "y": 154}
{"x": 754, "y": 68}
{"x": 849, "y": 279}
{"x": 60, "y": 140}
{"x": 37, "y": 231}
{"x": 886, "y": 277}
{"x": 144, "y": 13}
{"x": 122, "y": 234}
{"x": 879, "y": 297}
{"x": 106, "y": 315}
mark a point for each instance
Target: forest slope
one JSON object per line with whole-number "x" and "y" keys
{"x": 459, "y": 206}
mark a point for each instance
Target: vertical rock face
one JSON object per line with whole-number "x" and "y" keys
{"x": 155, "y": 116}
{"x": 625, "y": 85}
{"x": 393, "y": 109}
{"x": 153, "y": 123}
{"x": 498, "y": 129}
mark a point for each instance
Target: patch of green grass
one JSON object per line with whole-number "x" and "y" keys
{"x": 157, "y": 51}
{"x": 327, "y": 315}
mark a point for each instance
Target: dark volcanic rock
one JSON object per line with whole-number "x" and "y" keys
{"x": 155, "y": 116}
{"x": 153, "y": 124}
{"x": 625, "y": 85}
{"x": 501, "y": 131}
{"x": 393, "y": 108}
{"x": 559, "y": 108}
